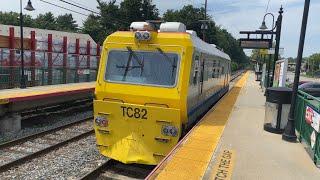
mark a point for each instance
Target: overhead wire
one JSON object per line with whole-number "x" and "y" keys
{"x": 268, "y": 6}
{"x": 81, "y": 7}
{"x": 64, "y": 8}
{"x": 80, "y": 4}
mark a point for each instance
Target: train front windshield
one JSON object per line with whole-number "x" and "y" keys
{"x": 155, "y": 68}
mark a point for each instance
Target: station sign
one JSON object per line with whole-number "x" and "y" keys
{"x": 255, "y": 43}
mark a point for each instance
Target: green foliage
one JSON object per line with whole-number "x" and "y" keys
{"x": 42, "y": 21}
{"x": 12, "y": 18}
{"x": 234, "y": 66}
{"x": 191, "y": 17}
{"x": 114, "y": 17}
{"x": 46, "y": 21}
{"x": 313, "y": 63}
{"x": 66, "y": 23}
{"x": 93, "y": 27}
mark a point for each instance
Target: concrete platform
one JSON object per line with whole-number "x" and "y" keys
{"x": 245, "y": 150}
{"x": 30, "y": 93}
{"x": 14, "y": 101}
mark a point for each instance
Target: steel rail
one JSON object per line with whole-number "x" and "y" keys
{"x": 237, "y": 74}
{"x": 35, "y": 135}
{"x": 23, "y": 159}
{"x": 93, "y": 174}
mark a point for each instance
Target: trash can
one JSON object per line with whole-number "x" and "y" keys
{"x": 277, "y": 107}
{"x": 258, "y": 75}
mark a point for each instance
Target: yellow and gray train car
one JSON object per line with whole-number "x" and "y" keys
{"x": 151, "y": 87}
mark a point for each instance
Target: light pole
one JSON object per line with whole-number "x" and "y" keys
{"x": 289, "y": 131}
{"x": 278, "y": 35}
{"x": 265, "y": 28}
{"x": 29, "y": 7}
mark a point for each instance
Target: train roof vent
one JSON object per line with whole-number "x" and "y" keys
{"x": 172, "y": 27}
{"x": 192, "y": 32}
{"x": 141, "y": 26}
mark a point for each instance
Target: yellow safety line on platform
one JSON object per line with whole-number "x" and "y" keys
{"x": 223, "y": 168}
{"x": 5, "y": 94}
{"x": 191, "y": 158}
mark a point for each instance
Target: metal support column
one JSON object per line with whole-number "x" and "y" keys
{"x": 278, "y": 36}
{"x": 289, "y": 131}
{"x": 50, "y": 59}
{"x": 33, "y": 58}
{"x": 12, "y": 57}
{"x": 65, "y": 58}
{"x": 77, "y": 60}
{"x": 88, "y": 60}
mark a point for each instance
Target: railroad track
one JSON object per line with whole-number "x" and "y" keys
{"x": 236, "y": 75}
{"x": 112, "y": 169}
{"x": 19, "y": 151}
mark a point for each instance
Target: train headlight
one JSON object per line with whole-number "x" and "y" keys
{"x": 142, "y": 35}
{"x": 101, "y": 121}
{"x": 169, "y": 131}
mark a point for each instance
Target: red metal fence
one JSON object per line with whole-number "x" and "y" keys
{"x": 48, "y": 61}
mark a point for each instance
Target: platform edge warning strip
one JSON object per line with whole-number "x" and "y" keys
{"x": 24, "y": 95}
{"x": 190, "y": 158}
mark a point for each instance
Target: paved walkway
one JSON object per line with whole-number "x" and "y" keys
{"x": 257, "y": 154}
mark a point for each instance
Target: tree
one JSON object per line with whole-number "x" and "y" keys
{"x": 46, "y": 21}
{"x": 313, "y": 63}
{"x": 92, "y": 26}
{"x": 137, "y": 10}
{"x": 66, "y": 23}
{"x": 214, "y": 35}
{"x": 110, "y": 17}
{"x": 149, "y": 11}
{"x": 12, "y": 18}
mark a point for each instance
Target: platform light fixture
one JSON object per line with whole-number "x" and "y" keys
{"x": 263, "y": 26}
{"x": 29, "y": 7}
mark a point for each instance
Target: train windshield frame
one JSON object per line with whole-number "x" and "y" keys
{"x": 148, "y": 68}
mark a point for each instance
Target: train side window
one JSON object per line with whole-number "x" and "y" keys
{"x": 205, "y": 70}
{"x": 196, "y": 69}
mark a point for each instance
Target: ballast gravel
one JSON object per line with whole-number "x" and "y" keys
{"x": 51, "y": 122}
{"x": 69, "y": 162}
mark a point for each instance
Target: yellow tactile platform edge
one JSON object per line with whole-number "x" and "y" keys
{"x": 191, "y": 158}
{"x": 41, "y": 90}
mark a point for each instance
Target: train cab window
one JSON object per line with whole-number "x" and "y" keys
{"x": 146, "y": 68}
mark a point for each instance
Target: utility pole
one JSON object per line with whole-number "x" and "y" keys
{"x": 205, "y": 9}
{"x": 204, "y": 25}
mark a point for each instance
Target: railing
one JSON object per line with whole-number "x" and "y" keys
{"x": 10, "y": 76}
{"x": 307, "y": 123}
{"x": 48, "y": 58}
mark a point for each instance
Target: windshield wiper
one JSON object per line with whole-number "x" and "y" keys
{"x": 169, "y": 60}
{"x": 127, "y": 67}
{"x": 141, "y": 63}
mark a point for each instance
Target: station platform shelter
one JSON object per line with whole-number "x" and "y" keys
{"x": 229, "y": 143}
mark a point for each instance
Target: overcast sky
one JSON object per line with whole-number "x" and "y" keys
{"x": 233, "y": 15}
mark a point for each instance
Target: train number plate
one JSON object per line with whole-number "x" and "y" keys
{"x": 137, "y": 113}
